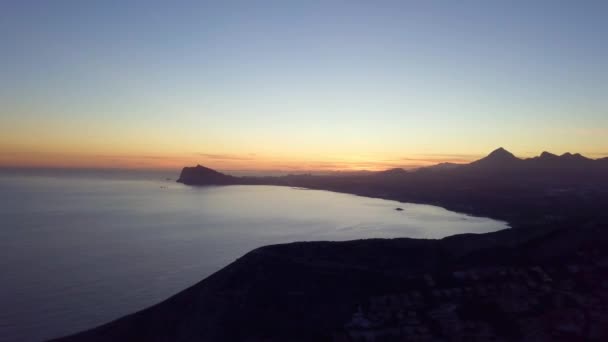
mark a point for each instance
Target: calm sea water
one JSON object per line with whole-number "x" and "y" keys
{"x": 78, "y": 249}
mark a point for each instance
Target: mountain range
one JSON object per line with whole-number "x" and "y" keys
{"x": 498, "y": 160}
{"x": 499, "y": 185}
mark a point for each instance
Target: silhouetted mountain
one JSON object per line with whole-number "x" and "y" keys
{"x": 498, "y": 161}
{"x": 500, "y": 185}
{"x": 442, "y": 166}
{"x": 546, "y": 157}
{"x": 201, "y": 175}
{"x": 392, "y": 172}
{"x": 499, "y": 158}
{"x": 499, "y": 155}
{"x": 576, "y": 156}
{"x": 575, "y": 159}
{"x": 565, "y": 161}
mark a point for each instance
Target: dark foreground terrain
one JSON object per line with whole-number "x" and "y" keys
{"x": 536, "y": 285}
{"x": 544, "y": 280}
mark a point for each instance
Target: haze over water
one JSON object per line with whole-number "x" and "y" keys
{"x": 78, "y": 249}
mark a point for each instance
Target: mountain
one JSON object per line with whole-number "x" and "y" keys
{"x": 499, "y": 155}
{"x": 566, "y": 161}
{"x": 575, "y": 159}
{"x": 499, "y": 185}
{"x": 499, "y": 161}
{"x": 546, "y": 156}
{"x": 442, "y": 166}
{"x": 392, "y": 172}
{"x": 200, "y": 175}
{"x": 499, "y": 158}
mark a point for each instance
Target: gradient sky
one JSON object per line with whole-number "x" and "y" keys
{"x": 310, "y": 85}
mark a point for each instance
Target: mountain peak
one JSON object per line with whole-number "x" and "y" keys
{"x": 547, "y": 155}
{"x": 575, "y": 156}
{"x": 204, "y": 168}
{"x": 501, "y": 153}
{"x": 497, "y": 158}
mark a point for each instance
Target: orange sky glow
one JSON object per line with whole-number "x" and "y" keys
{"x": 306, "y": 87}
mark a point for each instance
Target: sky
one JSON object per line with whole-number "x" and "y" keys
{"x": 299, "y": 85}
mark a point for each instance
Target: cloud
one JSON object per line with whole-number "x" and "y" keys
{"x": 216, "y": 156}
{"x": 438, "y": 160}
{"x": 349, "y": 165}
{"x": 130, "y": 157}
{"x": 435, "y": 158}
{"x": 451, "y": 155}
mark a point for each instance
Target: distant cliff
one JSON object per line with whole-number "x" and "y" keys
{"x": 200, "y": 175}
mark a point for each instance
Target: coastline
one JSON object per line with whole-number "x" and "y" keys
{"x": 314, "y": 290}
{"x": 329, "y": 290}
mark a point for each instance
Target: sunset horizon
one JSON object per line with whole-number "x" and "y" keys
{"x": 261, "y": 164}
{"x": 293, "y": 86}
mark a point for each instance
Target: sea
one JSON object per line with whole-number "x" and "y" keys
{"x": 79, "y": 248}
